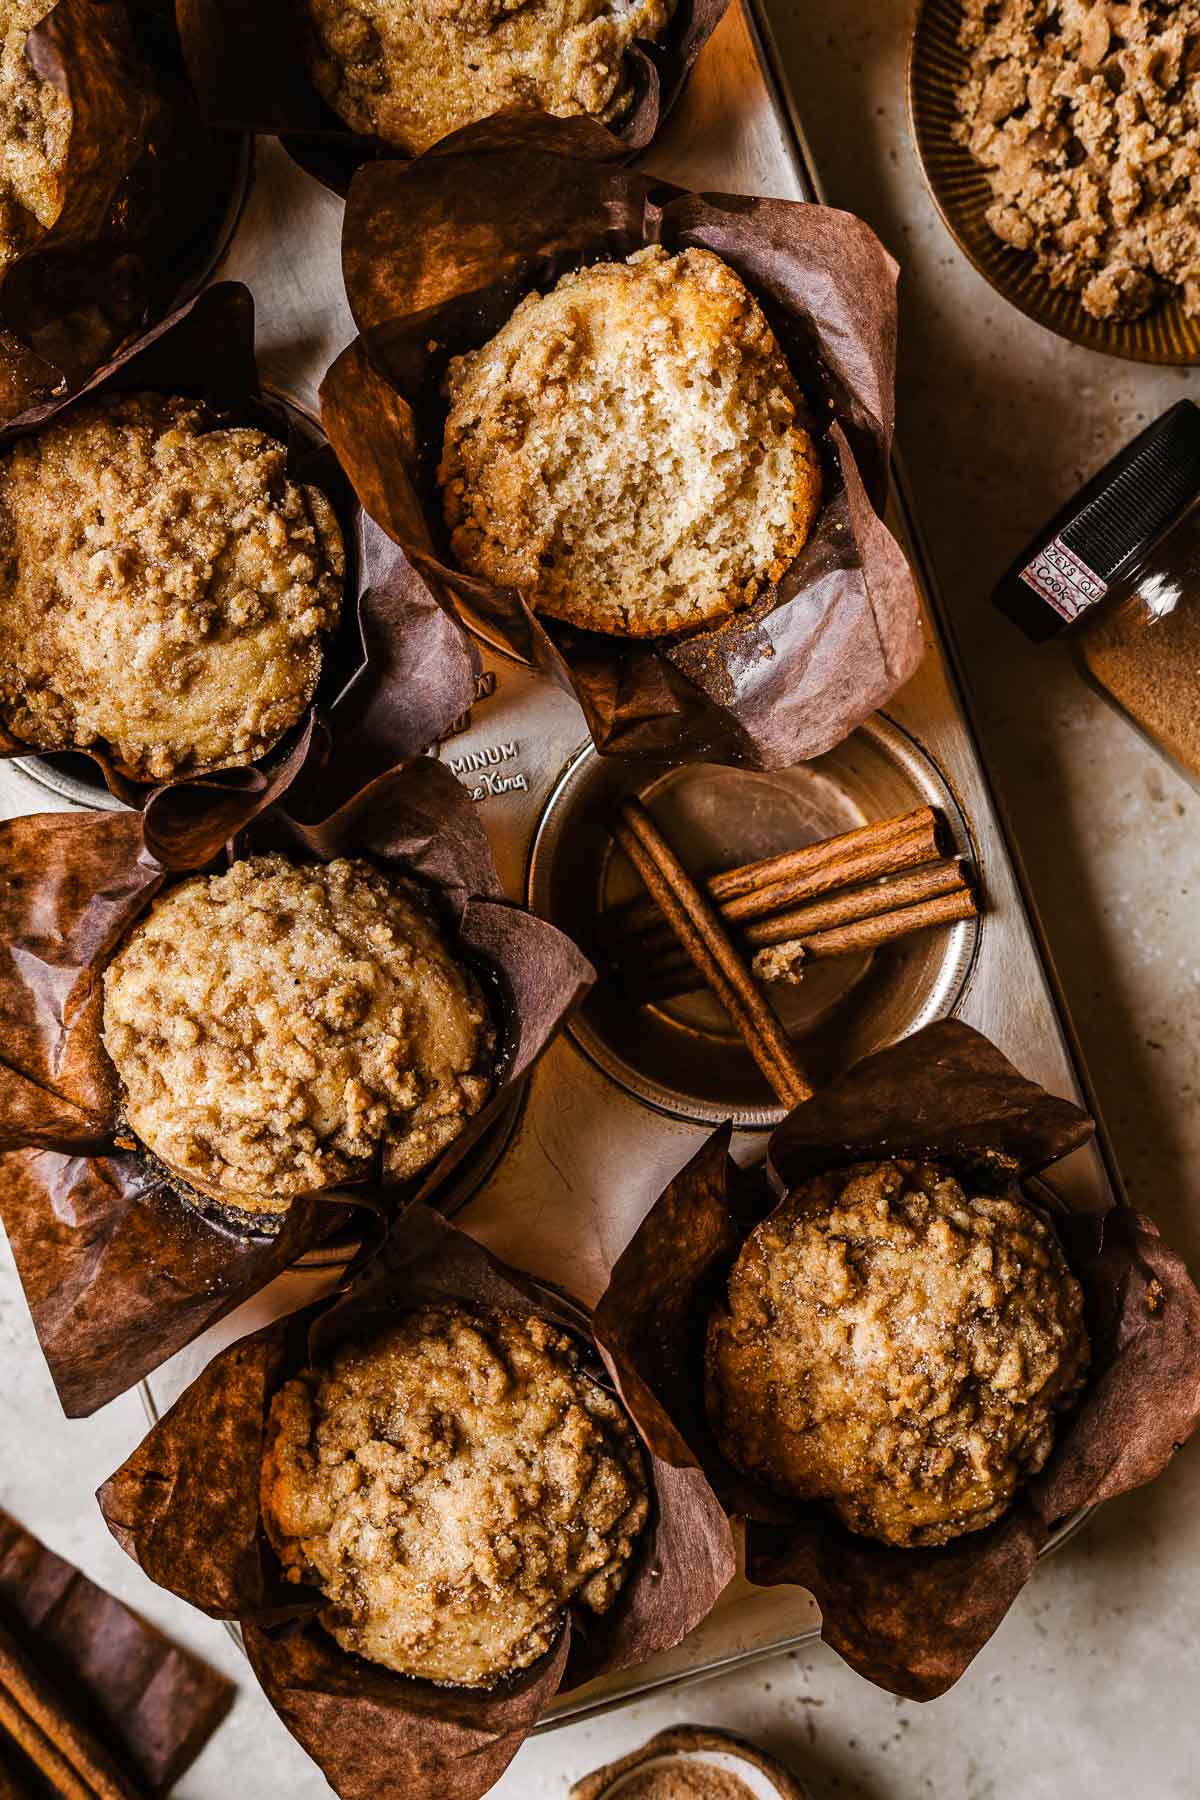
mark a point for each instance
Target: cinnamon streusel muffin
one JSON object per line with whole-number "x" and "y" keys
{"x": 35, "y": 127}
{"x": 627, "y": 449}
{"x": 411, "y": 71}
{"x": 165, "y": 590}
{"x": 451, "y": 1486}
{"x": 899, "y": 1348}
{"x": 277, "y": 1028}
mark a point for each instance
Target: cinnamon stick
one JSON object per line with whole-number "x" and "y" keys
{"x": 840, "y": 940}
{"x": 62, "y": 1751}
{"x": 944, "y": 877}
{"x": 885, "y": 928}
{"x": 698, "y": 927}
{"x": 869, "y": 851}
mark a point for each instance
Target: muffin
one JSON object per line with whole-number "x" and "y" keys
{"x": 280, "y": 1028}
{"x": 451, "y": 1486}
{"x": 165, "y": 590}
{"x": 35, "y": 119}
{"x": 627, "y": 449}
{"x": 898, "y": 1348}
{"x": 411, "y": 71}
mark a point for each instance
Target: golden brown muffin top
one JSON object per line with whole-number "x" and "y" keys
{"x": 899, "y": 1348}
{"x": 277, "y": 1027}
{"x": 451, "y": 1486}
{"x": 165, "y": 590}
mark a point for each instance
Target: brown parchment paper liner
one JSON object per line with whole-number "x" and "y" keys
{"x": 912, "y": 1620}
{"x": 145, "y": 186}
{"x": 186, "y": 1507}
{"x": 119, "y": 1272}
{"x": 436, "y": 255}
{"x": 151, "y": 1704}
{"x": 398, "y": 670}
{"x": 246, "y": 63}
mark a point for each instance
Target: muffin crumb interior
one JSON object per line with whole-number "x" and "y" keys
{"x": 412, "y": 71}
{"x": 627, "y": 450}
{"x": 35, "y": 128}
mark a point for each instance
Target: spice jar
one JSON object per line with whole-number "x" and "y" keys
{"x": 1119, "y": 567}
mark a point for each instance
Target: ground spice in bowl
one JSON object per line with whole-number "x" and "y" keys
{"x": 692, "y": 1762}
{"x": 683, "y": 1781}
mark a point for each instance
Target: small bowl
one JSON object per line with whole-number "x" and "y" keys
{"x": 962, "y": 194}
{"x": 692, "y": 1745}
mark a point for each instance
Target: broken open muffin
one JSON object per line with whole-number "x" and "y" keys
{"x": 166, "y": 591}
{"x": 898, "y": 1347}
{"x": 280, "y": 1029}
{"x": 451, "y": 1485}
{"x": 412, "y": 71}
{"x": 627, "y": 450}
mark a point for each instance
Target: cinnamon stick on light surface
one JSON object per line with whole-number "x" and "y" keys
{"x": 697, "y": 925}
{"x": 62, "y": 1751}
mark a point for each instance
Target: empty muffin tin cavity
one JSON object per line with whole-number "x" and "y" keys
{"x": 682, "y": 1056}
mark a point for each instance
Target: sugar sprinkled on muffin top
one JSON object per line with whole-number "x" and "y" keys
{"x": 165, "y": 589}
{"x": 451, "y": 1486}
{"x": 899, "y": 1348}
{"x": 277, "y": 1028}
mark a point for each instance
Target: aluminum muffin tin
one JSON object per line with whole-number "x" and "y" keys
{"x": 618, "y": 1104}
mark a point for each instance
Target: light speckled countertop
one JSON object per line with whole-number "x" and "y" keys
{"x": 1089, "y": 1687}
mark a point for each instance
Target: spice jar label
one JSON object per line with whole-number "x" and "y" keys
{"x": 1061, "y": 578}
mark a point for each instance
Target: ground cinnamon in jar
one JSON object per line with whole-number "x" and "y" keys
{"x": 1155, "y": 674}
{"x": 1120, "y": 567}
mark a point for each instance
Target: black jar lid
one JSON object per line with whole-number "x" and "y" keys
{"x": 1108, "y": 528}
